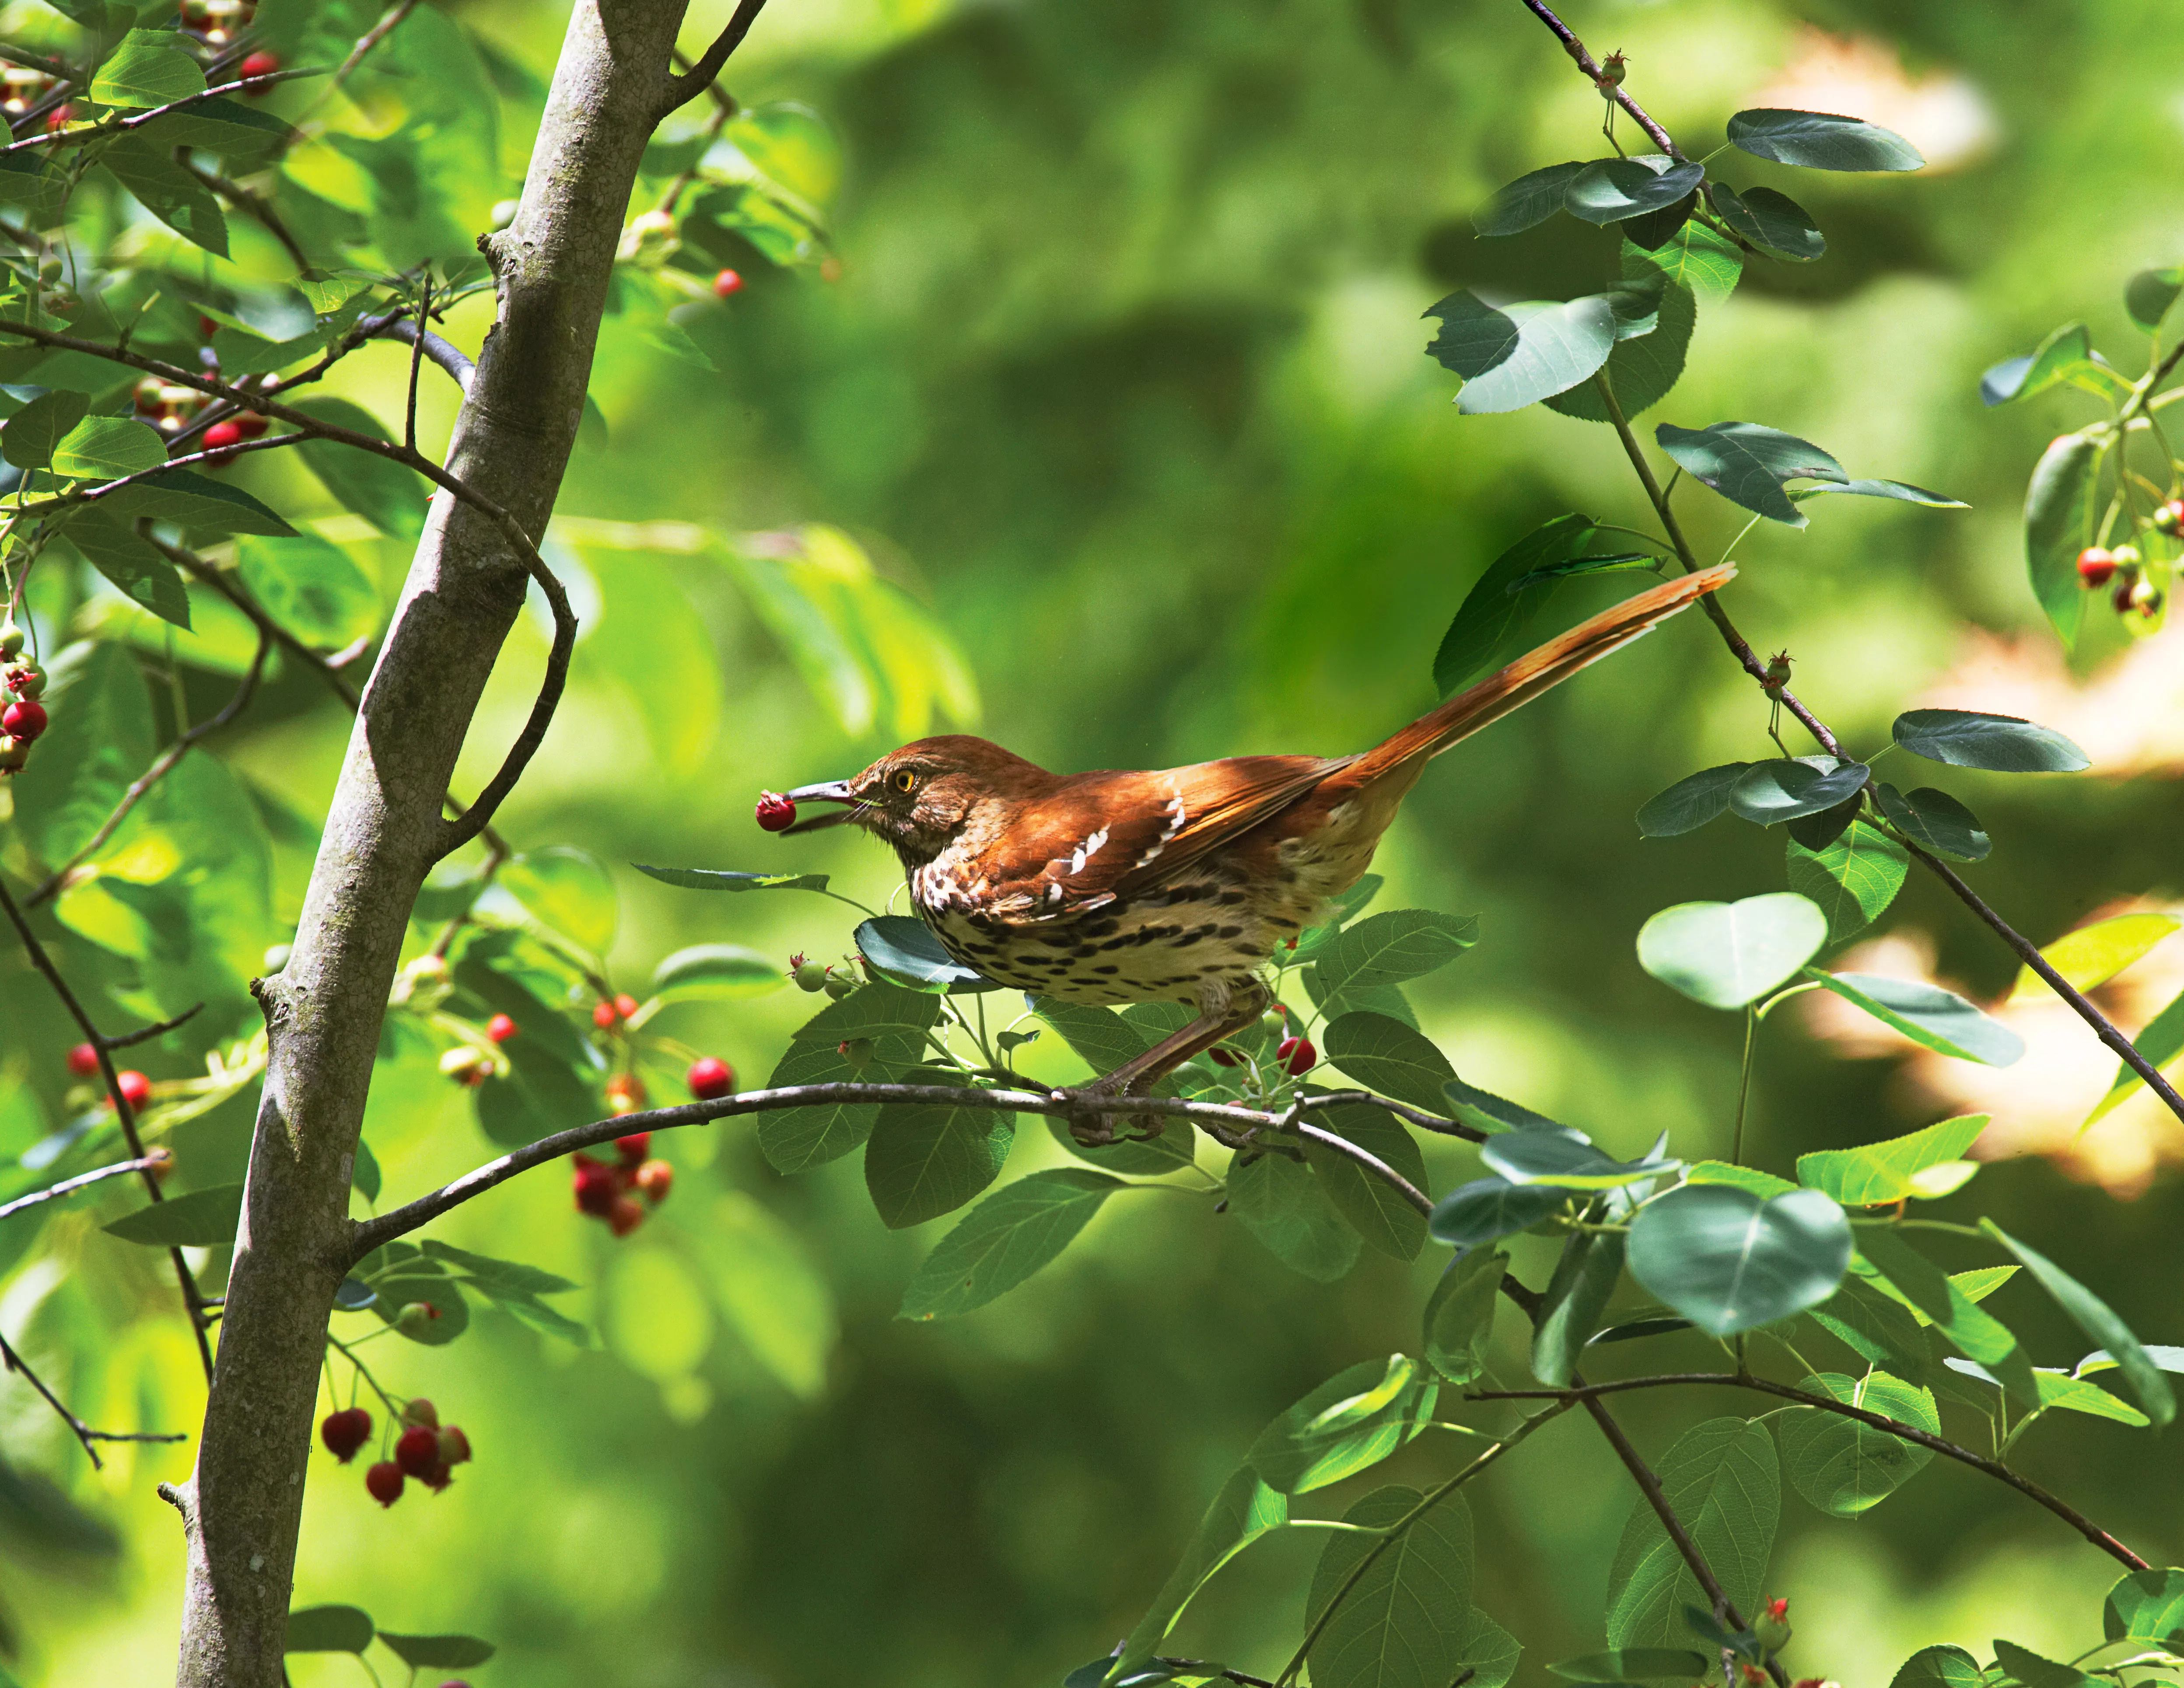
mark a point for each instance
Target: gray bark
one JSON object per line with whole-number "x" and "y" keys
{"x": 241, "y": 1506}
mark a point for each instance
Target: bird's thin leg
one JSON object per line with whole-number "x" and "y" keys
{"x": 1140, "y": 1073}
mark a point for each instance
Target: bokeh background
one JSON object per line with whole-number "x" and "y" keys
{"x": 1118, "y": 383}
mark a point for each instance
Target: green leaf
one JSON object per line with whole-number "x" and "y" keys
{"x": 707, "y": 879}
{"x": 1576, "y": 1295}
{"x": 1387, "y": 1056}
{"x": 1354, "y": 1420}
{"x": 2146, "y": 1605}
{"x": 1787, "y": 789}
{"x": 2060, "y": 509}
{"x": 1876, "y": 1327}
{"x": 1935, "y": 821}
{"x": 442, "y": 1653}
{"x": 1459, "y": 1315}
{"x": 1565, "y": 1159}
{"x": 1695, "y": 257}
{"x": 1400, "y": 1624}
{"x": 204, "y": 1219}
{"x": 2147, "y": 296}
{"x": 1747, "y": 464}
{"x": 1487, "y": 1208}
{"x": 707, "y": 973}
{"x": 1883, "y": 1173}
{"x": 1486, "y": 1111}
{"x": 29, "y": 437}
{"x": 1925, "y": 1013}
{"x": 905, "y": 949}
{"x": 1965, "y": 738}
{"x": 312, "y": 587}
{"x": 1690, "y": 803}
{"x": 135, "y": 569}
{"x": 2160, "y": 1042}
{"x": 1490, "y": 1652}
{"x": 1725, "y": 954}
{"x": 1928, "y": 1292}
{"x": 1244, "y": 1510}
{"x": 146, "y": 69}
{"x": 1492, "y": 622}
{"x": 1902, "y": 491}
{"x": 1728, "y": 1259}
{"x": 794, "y": 1139}
{"x": 1378, "y": 1213}
{"x": 1845, "y": 1467}
{"x": 385, "y": 493}
{"x": 365, "y": 1176}
{"x": 1004, "y": 1239}
{"x": 107, "y": 448}
{"x": 1517, "y": 354}
{"x": 173, "y": 195}
{"x": 2029, "y": 1670}
{"x": 1528, "y": 201}
{"x": 2093, "y": 954}
{"x": 2065, "y": 357}
{"x": 1635, "y": 1664}
{"x": 2060, "y": 1392}
{"x": 1939, "y": 1667}
{"x": 1613, "y": 189}
{"x": 566, "y": 890}
{"x": 1388, "y": 948}
{"x": 1817, "y": 140}
{"x": 1773, "y": 222}
{"x": 498, "y": 1279}
{"x": 540, "y": 1095}
{"x": 1744, "y": 1178}
{"x": 928, "y": 1158}
{"x": 1283, "y": 1205}
{"x": 2093, "y": 1316}
{"x": 1643, "y": 368}
{"x": 200, "y": 503}
{"x": 322, "y": 1629}
{"x": 240, "y": 133}
{"x": 1721, "y": 1480}
{"x": 399, "y": 1288}
{"x": 1852, "y": 881}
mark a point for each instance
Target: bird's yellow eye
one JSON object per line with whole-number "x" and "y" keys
{"x": 903, "y": 780}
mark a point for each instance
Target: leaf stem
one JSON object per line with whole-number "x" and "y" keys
{"x": 1743, "y": 1085}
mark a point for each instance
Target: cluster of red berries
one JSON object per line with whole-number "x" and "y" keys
{"x": 427, "y": 1449}
{"x": 2122, "y": 567}
{"x": 612, "y": 1013}
{"x": 604, "y": 1191}
{"x": 217, "y": 22}
{"x": 135, "y": 1089}
{"x": 22, "y": 716}
{"x": 467, "y": 1064}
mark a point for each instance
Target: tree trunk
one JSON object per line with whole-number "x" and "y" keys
{"x": 243, "y": 1505}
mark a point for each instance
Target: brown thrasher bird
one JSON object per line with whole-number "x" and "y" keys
{"x": 1175, "y": 885}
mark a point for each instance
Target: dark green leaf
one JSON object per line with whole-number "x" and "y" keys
{"x": 194, "y": 501}
{"x": 1939, "y": 1667}
{"x": 2060, "y": 507}
{"x": 1853, "y": 880}
{"x": 1354, "y": 1420}
{"x": 1902, "y": 491}
{"x": 2093, "y": 1316}
{"x": 1726, "y": 955}
{"x": 1616, "y": 188}
{"x": 146, "y": 68}
{"x": 1487, "y": 1111}
{"x": 1635, "y": 1664}
{"x": 1401, "y": 1623}
{"x": 2029, "y": 1670}
{"x": 1004, "y": 1239}
{"x": 1636, "y": 1329}
{"x": 1721, "y": 1481}
{"x": 1492, "y": 623}
{"x": 385, "y": 493}
{"x": 1966, "y": 739}
{"x": 1747, "y": 464}
{"x": 2147, "y": 296}
{"x": 1381, "y": 1214}
{"x": 1623, "y": 562}
{"x": 28, "y": 439}
{"x": 364, "y": 1172}
{"x": 1566, "y": 1160}
{"x": 2064, "y": 357}
{"x": 1528, "y": 201}
{"x": 1488, "y": 1208}
{"x": 1690, "y": 802}
{"x": 1927, "y": 1014}
{"x": 1459, "y": 1315}
{"x": 1773, "y": 222}
{"x": 540, "y": 1095}
{"x": 323, "y": 1629}
{"x": 317, "y": 591}
{"x": 1289, "y": 1210}
{"x": 1340, "y": 908}
{"x": 1780, "y": 790}
{"x": 1517, "y": 354}
{"x": 139, "y": 573}
{"x": 238, "y": 132}
{"x": 928, "y": 1158}
{"x": 2146, "y": 1605}
{"x": 1936, "y": 821}
{"x": 1576, "y": 1295}
{"x": 1388, "y": 1056}
{"x": 1660, "y": 228}
{"x": 1818, "y": 140}
{"x": 497, "y": 1277}
{"x": 905, "y": 949}
{"x": 100, "y": 740}
{"x": 1843, "y": 1466}
{"x": 204, "y": 1219}
{"x": 706, "y": 879}
{"x": 1883, "y": 1173}
{"x": 1729, "y": 1260}
{"x": 442, "y": 1653}
{"x": 568, "y": 891}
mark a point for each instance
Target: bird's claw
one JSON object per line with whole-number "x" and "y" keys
{"x": 1093, "y": 1127}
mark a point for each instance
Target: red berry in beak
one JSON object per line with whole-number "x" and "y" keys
{"x": 345, "y": 1432}
{"x": 711, "y": 1079}
{"x": 1296, "y": 1056}
{"x": 384, "y": 1482}
{"x": 776, "y": 813}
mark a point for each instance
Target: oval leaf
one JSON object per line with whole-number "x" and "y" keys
{"x": 1690, "y": 802}
{"x": 905, "y": 949}
{"x": 1564, "y": 1159}
{"x": 1773, "y": 222}
{"x": 1819, "y": 140}
{"x": 203, "y": 1219}
{"x": 1404, "y": 1598}
{"x": 1925, "y": 1013}
{"x": 1935, "y": 821}
{"x": 2093, "y": 954}
{"x": 1786, "y": 789}
{"x": 707, "y": 879}
{"x": 1728, "y": 1259}
{"x": 566, "y": 889}
{"x": 2060, "y": 507}
{"x": 1488, "y": 1208}
{"x": 1528, "y": 201}
{"x": 1966, "y": 739}
{"x": 1726, "y": 955}
{"x": 1616, "y": 188}
{"x": 1884, "y": 1172}
{"x": 107, "y": 448}
{"x": 1844, "y": 1466}
{"x": 443, "y": 1653}
{"x": 1004, "y": 1239}
{"x": 928, "y": 1158}
{"x": 1852, "y": 879}
{"x": 1747, "y": 464}
{"x": 328, "y": 1630}
{"x": 717, "y": 971}
{"x": 1517, "y": 354}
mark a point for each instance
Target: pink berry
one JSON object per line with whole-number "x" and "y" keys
{"x": 1296, "y": 1056}
{"x": 501, "y": 1028}
{"x": 776, "y": 813}
{"x": 595, "y": 1187}
{"x": 24, "y": 721}
{"x": 711, "y": 1079}
{"x": 221, "y": 435}
{"x": 725, "y": 283}
{"x": 384, "y": 1482}
{"x": 83, "y": 1061}
{"x": 135, "y": 1089}
{"x": 655, "y": 1178}
{"x": 603, "y": 1016}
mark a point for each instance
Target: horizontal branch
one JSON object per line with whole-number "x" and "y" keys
{"x": 138, "y": 120}
{"x": 12, "y": 1362}
{"x": 81, "y": 1181}
{"x": 371, "y": 1234}
{"x": 158, "y": 1030}
{"x": 1879, "y": 1421}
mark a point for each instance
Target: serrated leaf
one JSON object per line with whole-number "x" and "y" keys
{"x": 1773, "y": 222}
{"x": 1902, "y": 491}
{"x": 1853, "y": 881}
{"x": 716, "y": 972}
{"x": 141, "y": 574}
{"x": 1488, "y": 1112}
{"x": 107, "y": 448}
{"x": 1927, "y": 1014}
{"x": 1786, "y": 789}
{"x": 1939, "y": 1667}
{"x": 1289, "y": 1210}
{"x": 194, "y": 501}
{"x": 1565, "y": 1159}
{"x": 1401, "y": 1622}
{"x": 1517, "y": 354}
{"x": 2029, "y": 1669}
{"x": 1819, "y": 140}
{"x": 1930, "y": 1293}
{"x": 1388, "y": 948}
{"x": 1380, "y": 1213}
{"x": 1695, "y": 257}
{"x": 1387, "y": 1056}
{"x": 1843, "y": 1466}
{"x": 1004, "y": 1239}
{"x": 925, "y": 1159}
{"x": 146, "y": 69}
{"x": 29, "y": 437}
{"x": 2146, "y": 1605}
{"x": 1615, "y": 189}
{"x": 1645, "y": 367}
{"x": 1728, "y": 1259}
{"x": 1884, "y": 1172}
{"x": 1721, "y": 1480}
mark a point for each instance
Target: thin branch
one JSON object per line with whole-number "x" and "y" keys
{"x": 686, "y": 87}
{"x": 255, "y": 203}
{"x": 146, "y": 1034}
{"x": 417, "y": 357}
{"x": 1371, "y": 1164}
{"x": 1910, "y": 1432}
{"x": 13, "y": 1361}
{"x": 59, "y": 68}
{"x": 81, "y": 1181}
{"x": 192, "y": 1303}
{"x": 159, "y": 769}
{"x": 368, "y": 1234}
{"x": 371, "y": 38}
{"x": 138, "y": 120}
{"x": 438, "y": 352}
{"x": 1590, "y": 66}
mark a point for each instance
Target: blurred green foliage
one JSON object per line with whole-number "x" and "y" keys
{"x": 1111, "y": 434}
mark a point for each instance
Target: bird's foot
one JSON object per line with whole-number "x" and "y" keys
{"x": 1094, "y": 1127}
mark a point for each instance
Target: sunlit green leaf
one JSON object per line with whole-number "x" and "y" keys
{"x": 1843, "y": 1466}
{"x": 1726, "y": 955}
{"x": 567, "y": 890}
{"x": 312, "y": 587}
{"x": 1925, "y": 1013}
{"x": 1728, "y": 1259}
{"x": 204, "y": 1218}
{"x": 1583, "y": 1278}
{"x": 2093, "y": 1316}
{"x": 2092, "y": 956}
{"x": 1514, "y": 355}
{"x": 1853, "y": 880}
{"x": 1883, "y": 1173}
{"x": 147, "y": 67}
{"x": 1353, "y": 1421}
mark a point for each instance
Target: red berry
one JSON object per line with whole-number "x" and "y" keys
{"x": 24, "y": 721}
{"x": 135, "y": 1089}
{"x": 727, "y": 282}
{"x": 626, "y": 1006}
{"x": 384, "y": 1482}
{"x": 258, "y": 64}
{"x": 595, "y": 1187}
{"x": 1296, "y": 1056}
{"x": 417, "y": 1451}
{"x": 776, "y": 813}
{"x": 2096, "y": 564}
{"x": 711, "y": 1079}
{"x": 2122, "y": 595}
{"x": 83, "y": 1061}
{"x": 634, "y": 1147}
{"x": 500, "y": 1029}
{"x": 625, "y": 1216}
{"x": 1224, "y": 1057}
{"x": 345, "y": 1432}
{"x": 655, "y": 1178}
{"x": 454, "y": 1445}
{"x": 59, "y": 117}
{"x": 603, "y": 1016}
{"x": 250, "y": 424}
{"x": 437, "y": 1477}
{"x": 221, "y": 435}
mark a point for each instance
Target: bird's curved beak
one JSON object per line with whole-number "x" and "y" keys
{"x": 828, "y": 791}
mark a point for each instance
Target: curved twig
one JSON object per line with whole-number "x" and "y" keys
{"x": 1590, "y": 66}
{"x": 138, "y": 120}
{"x": 686, "y": 87}
{"x": 81, "y": 1181}
{"x": 12, "y": 1362}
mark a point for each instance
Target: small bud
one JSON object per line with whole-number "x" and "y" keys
{"x": 1612, "y": 72}
{"x": 161, "y": 1163}
{"x": 1778, "y": 671}
{"x": 1772, "y": 1626}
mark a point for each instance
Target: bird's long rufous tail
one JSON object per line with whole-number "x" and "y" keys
{"x": 1530, "y": 675}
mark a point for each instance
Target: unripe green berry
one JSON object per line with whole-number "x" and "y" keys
{"x": 839, "y": 985}
{"x": 11, "y": 641}
{"x": 810, "y": 976}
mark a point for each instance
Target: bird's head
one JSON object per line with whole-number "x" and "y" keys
{"x": 922, "y": 797}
